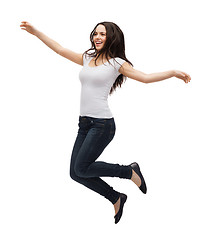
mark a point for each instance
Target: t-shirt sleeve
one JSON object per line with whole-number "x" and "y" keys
{"x": 118, "y": 63}
{"x": 86, "y": 59}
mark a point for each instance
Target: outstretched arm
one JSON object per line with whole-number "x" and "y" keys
{"x": 127, "y": 70}
{"x": 72, "y": 56}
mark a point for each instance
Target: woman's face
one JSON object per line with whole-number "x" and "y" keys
{"x": 99, "y": 37}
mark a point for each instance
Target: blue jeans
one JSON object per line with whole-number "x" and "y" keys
{"x": 93, "y": 136}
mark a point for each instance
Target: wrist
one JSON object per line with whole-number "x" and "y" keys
{"x": 37, "y": 33}
{"x": 173, "y": 73}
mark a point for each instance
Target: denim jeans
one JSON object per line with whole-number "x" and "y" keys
{"x": 93, "y": 136}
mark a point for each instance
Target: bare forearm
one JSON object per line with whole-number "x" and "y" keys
{"x": 155, "y": 77}
{"x": 48, "y": 41}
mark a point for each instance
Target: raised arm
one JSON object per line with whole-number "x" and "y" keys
{"x": 72, "y": 56}
{"x": 127, "y": 70}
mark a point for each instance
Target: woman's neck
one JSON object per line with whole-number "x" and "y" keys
{"x": 101, "y": 57}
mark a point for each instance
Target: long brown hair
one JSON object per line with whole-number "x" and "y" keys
{"x": 113, "y": 47}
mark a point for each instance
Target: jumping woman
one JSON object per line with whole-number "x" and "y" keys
{"x": 105, "y": 67}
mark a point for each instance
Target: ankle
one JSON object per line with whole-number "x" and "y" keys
{"x": 117, "y": 206}
{"x": 135, "y": 178}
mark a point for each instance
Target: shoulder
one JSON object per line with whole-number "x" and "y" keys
{"x": 86, "y": 58}
{"x": 118, "y": 62}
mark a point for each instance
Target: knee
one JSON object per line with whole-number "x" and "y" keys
{"x": 79, "y": 171}
{"x": 73, "y": 174}
{"x": 76, "y": 173}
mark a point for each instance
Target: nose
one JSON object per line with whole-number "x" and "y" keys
{"x": 98, "y": 37}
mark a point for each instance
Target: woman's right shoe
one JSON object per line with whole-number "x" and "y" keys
{"x": 123, "y": 199}
{"x": 136, "y": 169}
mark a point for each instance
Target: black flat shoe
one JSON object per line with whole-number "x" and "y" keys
{"x": 123, "y": 199}
{"x": 136, "y": 169}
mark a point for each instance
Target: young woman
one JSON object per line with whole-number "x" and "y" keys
{"x": 105, "y": 67}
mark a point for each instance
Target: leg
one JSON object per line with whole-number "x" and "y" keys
{"x": 98, "y": 137}
{"x": 96, "y": 184}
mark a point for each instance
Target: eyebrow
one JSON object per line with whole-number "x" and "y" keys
{"x": 100, "y": 32}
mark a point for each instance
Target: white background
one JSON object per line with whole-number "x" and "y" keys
{"x": 164, "y": 126}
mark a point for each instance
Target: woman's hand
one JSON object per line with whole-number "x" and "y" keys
{"x": 182, "y": 75}
{"x": 28, "y": 27}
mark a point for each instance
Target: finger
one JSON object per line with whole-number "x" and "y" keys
{"x": 23, "y": 24}
{"x": 188, "y": 76}
{"x": 185, "y": 79}
{"x": 183, "y": 74}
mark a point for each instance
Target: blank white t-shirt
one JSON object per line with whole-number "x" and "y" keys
{"x": 96, "y": 83}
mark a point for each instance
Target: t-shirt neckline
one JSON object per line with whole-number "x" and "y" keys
{"x": 103, "y": 64}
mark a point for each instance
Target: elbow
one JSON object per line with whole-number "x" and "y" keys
{"x": 141, "y": 79}
{"x": 59, "y": 51}
{"x": 144, "y": 78}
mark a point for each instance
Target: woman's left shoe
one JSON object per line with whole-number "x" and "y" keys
{"x": 123, "y": 199}
{"x": 136, "y": 169}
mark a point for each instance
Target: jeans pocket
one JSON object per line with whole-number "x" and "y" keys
{"x": 82, "y": 124}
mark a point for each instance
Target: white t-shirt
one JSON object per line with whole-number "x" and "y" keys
{"x": 96, "y": 83}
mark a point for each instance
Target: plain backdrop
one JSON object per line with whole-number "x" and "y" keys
{"x": 164, "y": 126}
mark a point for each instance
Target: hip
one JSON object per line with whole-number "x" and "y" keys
{"x": 97, "y": 126}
